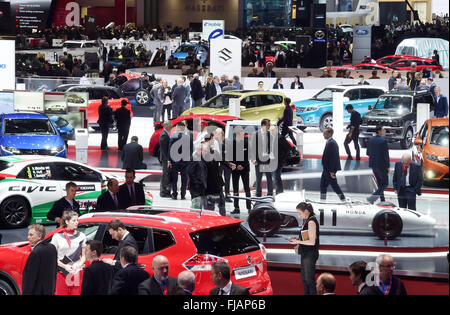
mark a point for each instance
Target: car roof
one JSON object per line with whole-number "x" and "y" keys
{"x": 407, "y": 93}
{"x": 25, "y": 115}
{"x": 36, "y": 158}
{"x": 190, "y": 220}
{"x": 350, "y": 86}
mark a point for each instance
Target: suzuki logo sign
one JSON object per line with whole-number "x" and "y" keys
{"x": 225, "y": 56}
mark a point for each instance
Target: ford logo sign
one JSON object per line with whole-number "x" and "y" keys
{"x": 362, "y": 32}
{"x": 216, "y": 33}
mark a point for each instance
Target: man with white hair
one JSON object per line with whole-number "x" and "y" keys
{"x": 441, "y": 108}
{"x": 161, "y": 283}
{"x": 408, "y": 180}
{"x": 178, "y": 96}
{"x": 422, "y": 86}
{"x": 386, "y": 282}
{"x": 186, "y": 282}
{"x": 403, "y": 85}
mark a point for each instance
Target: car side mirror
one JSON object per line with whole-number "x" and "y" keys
{"x": 418, "y": 141}
{"x": 370, "y": 107}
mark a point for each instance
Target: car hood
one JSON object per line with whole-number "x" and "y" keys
{"x": 32, "y": 142}
{"x": 307, "y": 103}
{"x": 383, "y": 115}
{"x": 180, "y": 55}
{"x": 206, "y": 110}
{"x": 437, "y": 151}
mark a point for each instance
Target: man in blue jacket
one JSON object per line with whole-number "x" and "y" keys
{"x": 441, "y": 108}
{"x": 378, "y": 152}
{"x": 331, "y": 164}
{"x": 408, "y": 180}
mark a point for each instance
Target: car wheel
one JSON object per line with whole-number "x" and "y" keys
{"x": 142, "y": 97}
{"x": 6, "y": 289}
{"x": 264, "y": 221}
{"x": 406, "y": 143}
{"x": 363, "y": 143}
{"x": 387, "y": 224}
{"x": 326, "y": 122}
{"x": 15, "y": 212}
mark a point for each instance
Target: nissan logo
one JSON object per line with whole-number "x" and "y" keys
{"x": 249, "y": 260}
{"x": 362, "y": 32}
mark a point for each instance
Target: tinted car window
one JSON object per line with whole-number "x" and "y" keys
{"x": 352, "y": 94}
{"x": 439, "y": 136}
{"x": 224, "y": 241}
{"x": 249, "y": 101}
{"x": 113, "y": 94}
{"x": 400, "y": 104}
{"x": 370, "y": 93}
{"x": 4, "y": 165}
{"x": 270, "y": 100}
{"x": 96, "y": 94}
{"x": 23, "y": 126}
{"x": 120, "y": 80}
{"x": 41, "y": 171}
{"x": 131, "y": 85}
{"x": 140, "y": 234}
{"x": 162, "y": 239}
{"x": 75, "y": 172}
{"x": 220, "y": 101}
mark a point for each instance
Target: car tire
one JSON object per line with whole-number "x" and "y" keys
{"x": 326, "y": 122}
{"x": 363, "y": 143}
{"x": 407, "y": 141}
{"x": 387, "y": 224}
{"x": 15, "y": 212}
{"x": 264, "y": 221}
{"x": 6, "y": 289}
{"x": 142, "y": 97}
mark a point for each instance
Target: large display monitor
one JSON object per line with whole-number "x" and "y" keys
{"x": 29, "y": 14}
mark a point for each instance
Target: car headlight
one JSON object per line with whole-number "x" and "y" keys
{"x": 56, "y": 150}
{"x": 310, "y": 109}
{"x": 10, "y": 149}
{"x": 396, "y": 123}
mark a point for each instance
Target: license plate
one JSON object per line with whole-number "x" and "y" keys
{"x": 245, "y": 272}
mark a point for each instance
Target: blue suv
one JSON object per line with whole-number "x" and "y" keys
{"x": 318, "y": 111}
{"x": 27, "y": 133}
{"x": 191, "y": 49}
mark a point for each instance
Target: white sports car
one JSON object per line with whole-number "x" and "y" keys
{"x": 30, "y": 184}
{"x": 385, "y": 220}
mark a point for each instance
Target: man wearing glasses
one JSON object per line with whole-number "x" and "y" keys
{"x": 385, "y": 281}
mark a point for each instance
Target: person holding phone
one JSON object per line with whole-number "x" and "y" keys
{"x": 308, "y": 246}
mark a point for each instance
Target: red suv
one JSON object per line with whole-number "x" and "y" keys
{"x": 191, "y": 240}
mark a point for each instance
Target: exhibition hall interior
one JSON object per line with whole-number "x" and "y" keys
{"x": 224, "y": 147}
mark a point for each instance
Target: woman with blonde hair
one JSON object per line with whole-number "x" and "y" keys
{"x": 71, "y": 247}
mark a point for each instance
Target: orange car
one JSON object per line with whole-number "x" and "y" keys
{"x": 432, "y": 149}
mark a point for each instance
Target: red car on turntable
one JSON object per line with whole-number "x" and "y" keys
{"x": 191, "y": 240}
{"x": 402, "y": 63}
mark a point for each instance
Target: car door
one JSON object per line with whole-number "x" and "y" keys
{"x": 38, "y": 183}
{"x": 268, "y": 106}
{"x": 89, "y": 182}
{"x": 354, "y": 99}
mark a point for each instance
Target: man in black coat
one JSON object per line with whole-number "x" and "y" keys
{"x": 65, "y": 203}
{"x": 220, "y": 276}
{"x": 260, "y": 144}
{"x": 127, "y": 280}
{"x": 118, "y": 232}
{"x": 407, "y": 180}
{"x": 109, "y": 200}
{"x": 131, "y": 193}
{"x": 281, "y": 148}
{"x": 105, "y": 121}
{"x": 358, "y": 275}
{"x": 123, "y": 121}
{"x": 353, "y": 134}
{"x": 180, "y": 152}
{"x": 331, "y": 164}
{"x": 196, "y": 91}
{"x": 178, "y": 97}
{"x": 133, "y": 155}
{"x": 198, "y": 174}
{"x": 39, "y": 274}
{"x": 97, "y": 277}
{"x": 161, "y": 283}
{"x": 164, "y": 138}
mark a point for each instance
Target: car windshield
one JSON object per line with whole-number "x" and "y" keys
{"x": 439, "y": 136}
{"x": 388, "y": 60}
{"x": 225, "y": 241}
{"x": 72, "y": 45}
{"x": 61, "y": 122}
{"x": 399, "y": 104}
{"x": 24, "y": 127}
{"x": 4, "y": 165}
{"x": 185, "y": 49}
{"x": 220, "y": 101}
{"x": 326, "y": 94}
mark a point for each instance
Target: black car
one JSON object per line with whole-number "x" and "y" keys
{"x": 397, "y": 112}
{"x": 137, "y": 88}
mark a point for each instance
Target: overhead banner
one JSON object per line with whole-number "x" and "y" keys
{"x": 213, "y": 29}
{"x": 362, "y": 43}
{"x": 7, "y": 65}
{"x": 225, "y": 57}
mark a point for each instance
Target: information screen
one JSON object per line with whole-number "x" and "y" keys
{"x": 29, "y": 14}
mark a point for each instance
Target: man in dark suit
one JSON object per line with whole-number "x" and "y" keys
{"x": 408, "y": 180}
{"x": 133, "y": 155}
{"x": 353, "y": 134}
{"x": 378, "y": 152}
{"x": 164, "y": 138}
{"x": 123, "y": 121}
{"x": 105, "y": 121}
{"x": 331, "y": 164}
{"x": 260, "y": 145}
{"x": 39, "y": 274}
{"x": 178, "y": 96}
{"x": 126, "y": 281}
{"x": 220, "y": 276}
{"x": 180, "y": 152}
{"x": 118, "y": 232}
{"x": 98, "y": 276}
{"x": 186, "y": 283}
{"x": 131, "y": 193}
{"x": 109, "y": 200}
{"x": 358, "y": 275}
{"x": 281, "y": 148}
{"x": 441, "y": 108}
{"x": 65, "y": 203}
{"x": 196, "y": 91}
{"x": 161, "y": 283}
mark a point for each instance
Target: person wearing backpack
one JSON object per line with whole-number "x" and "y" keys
{"x": 353, "y": 134}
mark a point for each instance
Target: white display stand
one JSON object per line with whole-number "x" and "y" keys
{"x": 234, "y": 107}
{"x": 338, "y": 117}
{"x": 423, "y": 114}
{"x": 225, "y": 57}
{"x": 7, "y": 65}
{"x": 81, "y": 145}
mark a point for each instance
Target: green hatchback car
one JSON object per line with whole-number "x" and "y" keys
{"x": 255, "y": 105}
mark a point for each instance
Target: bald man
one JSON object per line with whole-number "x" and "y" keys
{"x": 186, "y": 282}
{"x": 326, "y": 284}
{"x": 408, "y": 180}
{"x": 161, "y": 283}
